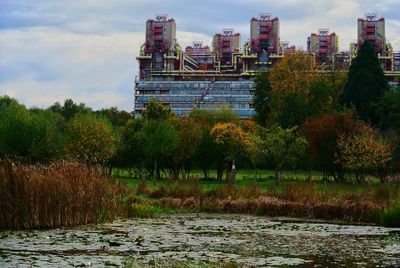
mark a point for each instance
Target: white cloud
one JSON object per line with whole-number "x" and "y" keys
{"x": 45, "y": 62}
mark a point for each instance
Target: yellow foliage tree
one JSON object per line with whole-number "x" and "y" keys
{"x": 90, "y": 139}
{"x": 364, "y": 152}
{"x": 231, "y": 137}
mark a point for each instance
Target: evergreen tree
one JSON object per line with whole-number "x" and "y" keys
{"x": 366, "y": 84}
{"x": 261, "y": 98}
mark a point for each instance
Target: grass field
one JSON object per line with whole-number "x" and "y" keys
{"x": 266, "y": 183}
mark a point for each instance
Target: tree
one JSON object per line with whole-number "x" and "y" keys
{"x": 69, "y": 109}
{"x": 230, "y": 136}
{"x": 389, "y": 110}
{"x": 208, "y": 152}
{"x": 364, "y": 152}
{"x": 116, "y": 117}
{"x": 157, "y": 111}
{"x": 5, "y": 102}
{"x": 190, "y": 136}
{"x": 283, "y": 147}
{"x": 129, "y": 152}
{"x": 322, "y": 133}
{"x": 261, "y": 98}
{"x": 28, "y": 136}
{"x": 90, "y": 139}
{"x": 290, "y": 84}
{"x": 254, "y": 148}
{"x": 292, "y": 74}
{"x": 159, "y": 138}
{"x": 366, "y": 84}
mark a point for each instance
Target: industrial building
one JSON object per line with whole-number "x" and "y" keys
{"x": 221, "y": 76}
{"x": 324, "y": 45}
{"x": 200, "y": 77}
{"x": 372, "y": 29}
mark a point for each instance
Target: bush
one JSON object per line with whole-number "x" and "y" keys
{"x": 59, "y": 194}
{"x": 390, "y": 216}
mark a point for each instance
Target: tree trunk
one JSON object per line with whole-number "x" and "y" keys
{"x": 229, "y": 171}
{"x": 220, "y": 171}
{"x": 155, "y": 171}
{"x": 255, "y": 179}
{"x": 277, "y": 177}
{"x": 205, "y": 172}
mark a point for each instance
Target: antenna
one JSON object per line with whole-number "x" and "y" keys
{"x": 371, "y": 16}
{"x": 161, "y": 17}
{"x": 323, "y": 31}
{"x": 227, "y": 31}
{"x": 265, "y": 16}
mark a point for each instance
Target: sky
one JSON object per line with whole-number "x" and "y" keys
{"x": 51, "y": 50}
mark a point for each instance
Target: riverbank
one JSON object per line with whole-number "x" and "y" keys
{"x": 308, "y": 200}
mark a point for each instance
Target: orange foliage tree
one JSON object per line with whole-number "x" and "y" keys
{"x": 322, "y": 133}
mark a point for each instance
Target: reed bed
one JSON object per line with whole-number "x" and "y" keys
{"x": 58, "y": 194}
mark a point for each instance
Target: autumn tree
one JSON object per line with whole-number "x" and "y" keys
{"x": 364, "y": 152}
{"x": 298, "y": 93}
{"x": 90, "y": 139}
{"x": 283, "y": 147}
{"x": 230, "y": 137}
{"x": 366, "y": 84}
{"x": 322, "y": 133}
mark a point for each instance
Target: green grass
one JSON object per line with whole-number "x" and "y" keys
{"x": 267, "y": 184}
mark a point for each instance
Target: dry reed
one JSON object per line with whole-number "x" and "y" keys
{"x": 59, "y": 194}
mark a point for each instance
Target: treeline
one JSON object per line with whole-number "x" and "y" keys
{"x": 345, "y": 125}
{"x": 350, "y": 120}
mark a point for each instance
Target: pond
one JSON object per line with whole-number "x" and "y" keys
{"x": 192, "y": 240}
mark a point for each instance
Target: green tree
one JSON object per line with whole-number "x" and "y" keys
{"x": 116, "y": 117}
{"x": 209, "y": 153}
{"x": 28, "y": 136}
{"x": 5, "y": 102}
{"x": 69, "y": 109}
{"x": 389, "y": 110}
{"x": 190, "y": 136}
{"x": 261, "y": 98}
{"x": 129, "y": 152}
{"x": 159, "y": 139}
{"x": 366, "y": 84}
{"x": 283, "y": 147}
{"x": 156, "y": 111}
{"x": 254, "y": 148}
{"x": 91, "y": 139}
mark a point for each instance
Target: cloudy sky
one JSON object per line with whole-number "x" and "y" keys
{"x": 51, "y": 50}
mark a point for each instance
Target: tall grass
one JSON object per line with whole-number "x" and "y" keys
{"x": 59, "y": 194}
